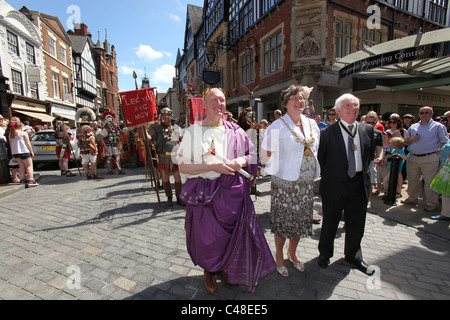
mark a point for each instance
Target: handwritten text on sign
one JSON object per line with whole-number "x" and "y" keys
{"x": 139, "y": 107}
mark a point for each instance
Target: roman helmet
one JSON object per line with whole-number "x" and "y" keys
{"x": 166, "y": 110}
{"x": 85, "y": 115}
{"x": 109, "y": 116}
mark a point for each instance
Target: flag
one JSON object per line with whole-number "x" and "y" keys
{"x": 139, "y": 107}
{"x": 196, "y": 111}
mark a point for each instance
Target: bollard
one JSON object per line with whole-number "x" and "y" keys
{"x": 5, "y": 176}
{"x": 393, "y": 180}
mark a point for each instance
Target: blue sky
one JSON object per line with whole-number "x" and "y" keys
{"x": 146, "y": 33}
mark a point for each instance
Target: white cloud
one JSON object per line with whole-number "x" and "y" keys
{"x": 164, "y": 74}
{"x": 175, "y": 17}
{"x": 148, "y": 53}
{"x": 128, "y": 71}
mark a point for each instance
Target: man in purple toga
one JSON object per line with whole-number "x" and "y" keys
{"x": 223, "y": 234}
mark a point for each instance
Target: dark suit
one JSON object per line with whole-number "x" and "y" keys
{"x": 341, "y": 193}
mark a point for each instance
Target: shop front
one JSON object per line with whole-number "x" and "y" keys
{"x": 67, "y": 113}
{"x": 401, "y": 75}
{"x": 32, "y": 110}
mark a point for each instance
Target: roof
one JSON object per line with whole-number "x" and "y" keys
{"x": 196, "y": 16}
{"x": 78, "y": 42}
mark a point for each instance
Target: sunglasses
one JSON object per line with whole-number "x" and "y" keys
{"x": 332, "y": 114}
{"x": 370, "y": 122}
{"x": 425, "y": 112}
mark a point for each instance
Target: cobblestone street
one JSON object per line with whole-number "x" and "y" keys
{"x": 71, "y": 238}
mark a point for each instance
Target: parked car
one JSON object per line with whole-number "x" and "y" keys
{"x": 44, "y": 146}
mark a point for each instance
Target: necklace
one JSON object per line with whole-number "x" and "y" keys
{"x": 306, "y": 143}
{"x": 351, "y": 134}
{"x": 212, "y": 125}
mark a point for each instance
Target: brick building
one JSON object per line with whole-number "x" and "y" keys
{"x": 58, "y": 64}
{"x": 105, "y": 58}
{"x": 271, "y": 44}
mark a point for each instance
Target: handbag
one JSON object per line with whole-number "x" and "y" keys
{"x": 440, "y": 181}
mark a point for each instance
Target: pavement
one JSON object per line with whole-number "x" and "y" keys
{"x": 109, "y": 239}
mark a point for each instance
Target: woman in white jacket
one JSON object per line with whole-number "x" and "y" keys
{"x": 290, "y": 146}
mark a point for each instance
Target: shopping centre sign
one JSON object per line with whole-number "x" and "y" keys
{"x": 397, "y": 57}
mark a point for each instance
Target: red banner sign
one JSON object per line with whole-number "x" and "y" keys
{"x": 196, "y": 111}
{"x": 139, "y": 107}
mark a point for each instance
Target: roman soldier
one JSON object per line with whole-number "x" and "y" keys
{"x": 109, "y": 138}
{"x": 86, "y": 143}
{"x": 166, "y": 138}
{"x": 63, "y": 147}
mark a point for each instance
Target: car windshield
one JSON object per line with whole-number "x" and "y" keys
{"x": 44, "y": 136}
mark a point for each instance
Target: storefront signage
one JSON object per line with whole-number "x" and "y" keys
{"x": 211, "y": 77}
{"x": 436, "y": 50}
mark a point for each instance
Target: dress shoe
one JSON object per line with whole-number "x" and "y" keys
{"x": 323, "y": 261}
{"x": 224, "y": 275}
{"x": 210, "y": 282}
{"x": 361, "y": 266}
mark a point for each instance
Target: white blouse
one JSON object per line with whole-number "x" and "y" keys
{"x": 286, "y": 153}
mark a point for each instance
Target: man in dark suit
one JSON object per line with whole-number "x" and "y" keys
{"x": 345, "y": 152}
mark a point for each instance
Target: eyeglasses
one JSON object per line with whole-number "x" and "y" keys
{"x": 297, "y": 99}
{"x": 425, "y": 112}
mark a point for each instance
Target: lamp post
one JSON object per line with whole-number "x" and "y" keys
{"x": 248, "y": 49}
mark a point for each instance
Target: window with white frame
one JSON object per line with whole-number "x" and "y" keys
{"x": 62, "y": 55}
{"x": 52, "y": 46}
{"x": 13, "y": 43}
{"x": 31, "y": 58}
{"x": 65, "y": 85}
{"x": 55, "y": 79}
{"x": 17, "y": 85}
{"x": 34, "y": 90}
{"x": 273, "y": 53}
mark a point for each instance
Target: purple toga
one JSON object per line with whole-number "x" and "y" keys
{"x": 222, "y": 229}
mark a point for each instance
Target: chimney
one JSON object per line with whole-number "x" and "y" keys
{"x": 81, "y": 29}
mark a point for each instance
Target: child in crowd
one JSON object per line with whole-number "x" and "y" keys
{"x": 382, "y": 165}
{"x": 22, "y": 151}
{"x": 397, "y": 145}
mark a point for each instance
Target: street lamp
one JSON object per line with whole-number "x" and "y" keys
{"x": 248, "y": 49}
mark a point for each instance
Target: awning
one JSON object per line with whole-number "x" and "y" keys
{"x": 41, "y": 116}
{"x": 424, "y": 56}
{"x": 65, "y": 112}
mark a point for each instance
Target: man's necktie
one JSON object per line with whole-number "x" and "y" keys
{"x": 351, "y": 155}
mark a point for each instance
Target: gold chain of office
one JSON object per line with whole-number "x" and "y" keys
{"x": 306, "y": 143}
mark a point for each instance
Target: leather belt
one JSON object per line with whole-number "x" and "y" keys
{"x": 424, "y": 154}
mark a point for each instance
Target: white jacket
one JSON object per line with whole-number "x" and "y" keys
{"x": 286, "y": 153}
